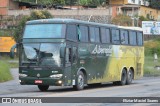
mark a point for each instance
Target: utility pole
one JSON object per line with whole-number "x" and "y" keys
{"x": 109, "y": 1}
{"x": 70, "y": 4}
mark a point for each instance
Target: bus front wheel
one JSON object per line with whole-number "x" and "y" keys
{"x": 129, "y": 77}
{"x": 79, "y": 81}
{"x": 43, "y": 87}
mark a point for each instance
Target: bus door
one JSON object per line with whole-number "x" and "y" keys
{"x": 70, "y": 63}
{"x": 74, "y": 62}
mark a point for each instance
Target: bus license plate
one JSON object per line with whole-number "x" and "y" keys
{"x": 38, "y": 81}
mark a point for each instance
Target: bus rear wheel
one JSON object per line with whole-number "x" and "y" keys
{"x": 43, "y": 87}
{"x": 129, "y": 77}
{"x": 123, "y": 78}
{"x": 79, "y": 81}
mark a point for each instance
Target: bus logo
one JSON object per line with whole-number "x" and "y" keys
{"x": 99, "y": 50}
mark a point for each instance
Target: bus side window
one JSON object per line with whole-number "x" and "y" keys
{"x": 79, "y": 33}
{"x": 72, "y": 32}
{"x": 68, "y": 55}
{"x": 140, "y": 38}
{"x": 132, "y": 38}
{"x": 115, "y": 36}
{"x": 83, "y": 33}
{"x": 94, "y": 34}
{"x": 124, "y": 37}
{"x": 105, "y": 35}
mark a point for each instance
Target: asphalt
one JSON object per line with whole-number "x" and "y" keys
{"x": 145, "y": 87}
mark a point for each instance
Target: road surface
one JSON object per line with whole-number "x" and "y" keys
{"x": 145, "y": 87}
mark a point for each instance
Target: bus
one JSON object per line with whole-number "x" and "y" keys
{"x": 69, "y": 52}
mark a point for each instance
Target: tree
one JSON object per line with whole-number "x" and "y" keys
{"x": 45, "y": 2}
{"x": 85, "y": 2}
{"x": 122, "y": 20}
{"x": 155, "y": 4}
{"x": 142, "y": 18}
{"x": 18, "y": 32}
{"x": 90, "y": 2}
{"x": 51, "y": 2}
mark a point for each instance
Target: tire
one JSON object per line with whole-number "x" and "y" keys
{"x": 43, "y": 87}
{"x": 116, "y": 83}
{"x": 129, "y": 77}
{"x": 79, "y": 81}
{"x": 123, "y": 78}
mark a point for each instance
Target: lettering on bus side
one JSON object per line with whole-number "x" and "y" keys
{"x": 99, "y": 50}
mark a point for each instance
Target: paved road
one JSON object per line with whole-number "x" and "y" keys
{"x": 145, "y": 87}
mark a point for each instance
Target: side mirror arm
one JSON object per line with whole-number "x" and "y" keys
{"x": 12, "y": 53}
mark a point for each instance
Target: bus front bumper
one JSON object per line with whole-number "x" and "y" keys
{"x": 40, "y": 81}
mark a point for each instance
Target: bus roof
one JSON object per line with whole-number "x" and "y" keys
{"x": 131, "y": 28}
{"x": 64, "y": 20}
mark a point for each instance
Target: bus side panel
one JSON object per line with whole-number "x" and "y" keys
{"x": 99, "y": 64}
{"x": 125, "y": 56}
{"x": 122, "y": 56}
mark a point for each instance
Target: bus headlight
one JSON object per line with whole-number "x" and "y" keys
{"x": 56, "y": 76}
{"x": 23, "y": 75}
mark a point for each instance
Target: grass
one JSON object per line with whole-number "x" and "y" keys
{"x": 7, "y": 59}
{"x": 5, "y": 74}
{"x": 5, "y": 66}
{"x": 149, "y": 66}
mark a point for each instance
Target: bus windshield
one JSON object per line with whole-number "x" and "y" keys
{"x": 46, "y": 54}
{"x": 44, "y": 31}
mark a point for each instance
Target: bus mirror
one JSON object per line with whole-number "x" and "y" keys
{"x": 62, "y": 52}
{"x": 12, "y": 51}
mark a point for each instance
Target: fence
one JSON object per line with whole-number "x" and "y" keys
{"x": 149, "y": 37}
{"x": 7, "y": 24}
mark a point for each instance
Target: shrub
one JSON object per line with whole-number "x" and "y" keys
{"x": 18, "y": 32}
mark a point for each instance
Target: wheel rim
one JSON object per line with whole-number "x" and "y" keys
{"x": 80, "y": 81}
{"x": 130, "y": 76}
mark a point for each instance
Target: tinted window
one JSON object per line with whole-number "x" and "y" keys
{"x": 105, "y": 35}
{"x": 83, "y": 33}
{"x": 115, "y": 36}
{"x": 44, "y": 31}
{"x": 140, "y": 38}
{"x": 124, "y": 37}
{"x": 71, "y": 32}
{"x": 94, "y": 34}
{"x": 132, "y": 38}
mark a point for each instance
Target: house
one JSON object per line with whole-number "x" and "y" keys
{"x": 135, "y": 8}
{"x": 130, "y": 2}
{"x": 7, "y": 4}
{"x": 150, "y": 13}
{"x": 126, "y": 7}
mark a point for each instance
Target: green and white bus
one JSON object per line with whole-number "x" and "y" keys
{"x": 68, "y": 52}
